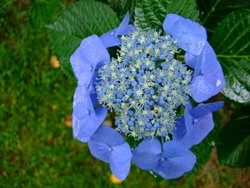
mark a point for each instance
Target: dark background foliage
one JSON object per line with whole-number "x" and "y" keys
{"x": 37, "y": 147}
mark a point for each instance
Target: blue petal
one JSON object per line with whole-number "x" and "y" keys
{"x": 103, "y": 141}
{"x": 91, "y": 54}
{"x": 100, "y": 114}
{"x": 121, "y": 153}
{"x": 109, "y": 146}
{"x": 191, "y": 60}
{"x": 208, "y": 76}
{"x": 180, "y": 129}
{"x": 92, "y": 89}
{"x": 204, "y": 109}
{"x": 190, "y": 35}
{"x": 183, "y": 127}
{"x": 129, "y": 29}
{"x": 173, "y": 149}
{"x": 99, "y": 150}
{"x": 201, "y": 128}
{"x": 124, "y": 28}
{"x": 94, "y": 99}
{"x": 83, "y": 71}
{"x": 196, "y": 129}
{"x": 92, "y": 84}
{"x": 182, "y": 134}
{"x": 81, "y": 107}
{"x": 147, "y": 154}
{"x": 120, "y": 170}
{"x": 120, "y": 161}
{"x": 176, "y": 161}
{"x": 108, "y": 136}
{"x": 111, "y": 38}
{"x": 187, "y": 115}
{"x": 169, "y": 22}
{"x": 123, "y": 25}
{"x": 86, "y": 119}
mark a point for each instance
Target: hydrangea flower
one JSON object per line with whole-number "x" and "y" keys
{"x": 196, "y": 123}
{"x": 109, "y": 146}
{"x": 150, "y": 90}
{"x": 169, "y": 159}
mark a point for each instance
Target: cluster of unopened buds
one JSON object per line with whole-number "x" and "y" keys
{"x": 151, "y": 91}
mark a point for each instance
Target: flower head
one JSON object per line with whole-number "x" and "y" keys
{"x": 150, "y": 91}
{"x": 145, "y": 85}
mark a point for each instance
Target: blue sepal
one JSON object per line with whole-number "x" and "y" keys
{"x": 86, "y": 119}
{"x": 208, "y": 76}
{"x": 190, "y": 35}
{"x": 111, "y": 38}
{"x": 109, "y": 146}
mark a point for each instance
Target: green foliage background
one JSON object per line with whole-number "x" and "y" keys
{"x": 37, "y": 148}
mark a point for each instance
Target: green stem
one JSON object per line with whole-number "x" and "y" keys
{"x": 180, "y": 56}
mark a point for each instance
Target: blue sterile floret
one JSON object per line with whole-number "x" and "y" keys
{"x": 169, "y": 159}
{"x": 145, "y": 84}
{"x": 109, "y": 146}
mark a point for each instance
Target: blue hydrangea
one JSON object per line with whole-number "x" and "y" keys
{"x": 150, "y": 91}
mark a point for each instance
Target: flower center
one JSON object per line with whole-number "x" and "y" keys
{"x": 145, "y": 85}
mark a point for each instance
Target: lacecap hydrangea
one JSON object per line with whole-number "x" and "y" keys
{"x": 151, "y": 91}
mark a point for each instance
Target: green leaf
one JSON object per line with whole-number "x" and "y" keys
{"x": 151, "y": 13}
{"x": 78, "y": 21}
{"x": 41, "y": 11}
{"x": 231, "y": 41}
{"x": 129, "y": 6}
{"x": 214, "y": 11}
{"x": 234, "y": 143}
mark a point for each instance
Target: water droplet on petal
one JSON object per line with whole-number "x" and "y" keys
{"x": 218, "y": 83}
{"x": 195, "y": 120}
